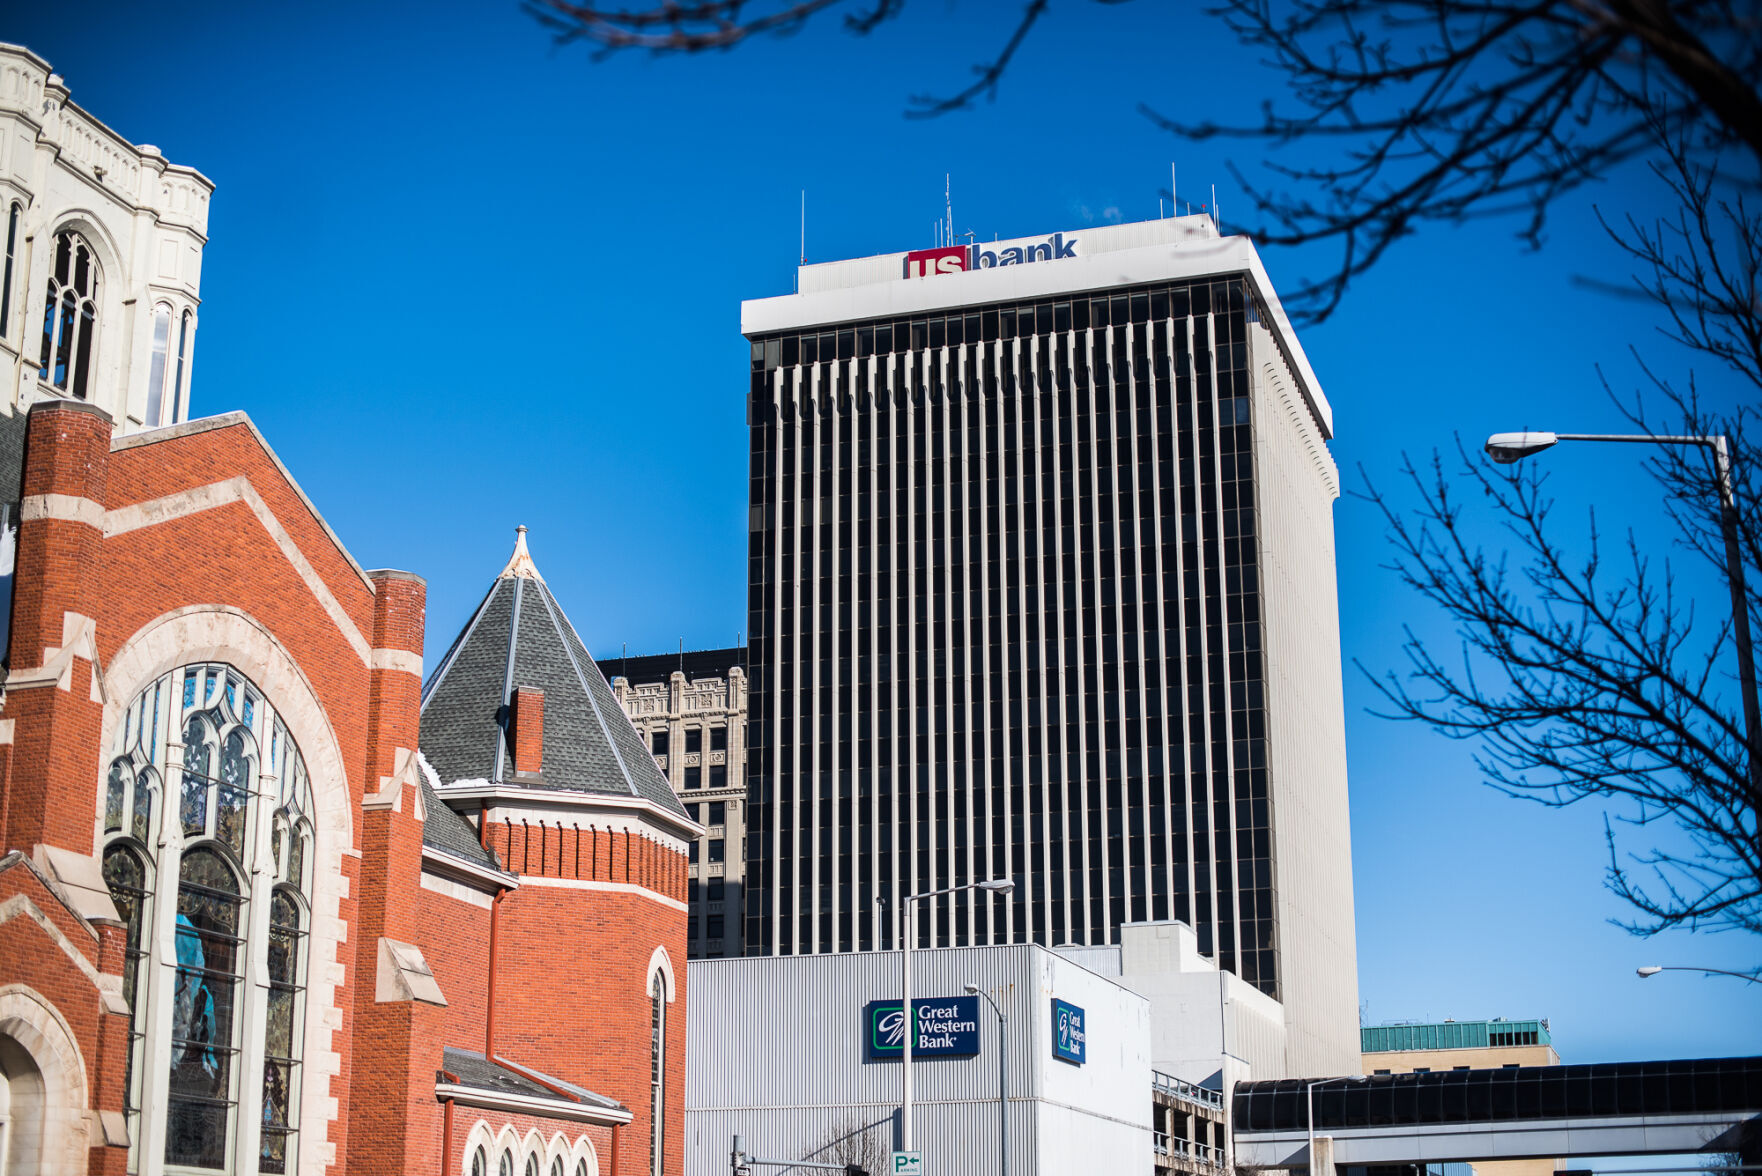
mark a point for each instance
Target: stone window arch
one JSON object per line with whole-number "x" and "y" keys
{"x": 207, "y": 850}
{"x": 70, "y": 315}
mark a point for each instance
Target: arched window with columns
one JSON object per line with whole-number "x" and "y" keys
{"x": 657, "y": 1073}
{"x": 207, "y": 826}
{"x": 70, "y": 316}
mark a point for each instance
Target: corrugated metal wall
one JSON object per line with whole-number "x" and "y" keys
{"x": 775, "y": 1053}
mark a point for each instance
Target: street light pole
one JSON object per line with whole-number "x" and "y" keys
{"x": 1309, "y": 1099}
{"x": 907, "y": 911}
{"x": 1002, "y": 1077}
{"x": 1651, "y": 970}
{"x": 1507, "y": 448}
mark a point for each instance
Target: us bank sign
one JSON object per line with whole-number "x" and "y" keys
{"x": 947, "y": 1027}
{"x": 955, "y": 259}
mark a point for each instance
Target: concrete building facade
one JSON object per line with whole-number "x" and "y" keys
{"x": 1041, "y": 585}
{"x": 100, "y": 284}
{"x": 690, "y": 709}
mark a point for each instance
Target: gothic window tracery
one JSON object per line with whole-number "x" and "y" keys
{"x": 70, "y": 316}
{"x": 225, "y": 1066}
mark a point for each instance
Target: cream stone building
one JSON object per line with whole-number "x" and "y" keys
{"x": 691, "y": 711}
{"x": 1463, "y": 1045}
{"x": 101, "y": 278}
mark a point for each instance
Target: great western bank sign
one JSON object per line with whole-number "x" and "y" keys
{"x": 947, "y": 1027}
{"x": 954, "y": 259}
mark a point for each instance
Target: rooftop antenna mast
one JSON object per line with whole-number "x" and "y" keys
{"x": 804, "y": 226}
{"x": 1174, "y": 205}
{"x": 948, "y": 206}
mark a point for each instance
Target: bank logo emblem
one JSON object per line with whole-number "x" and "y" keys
{"x": 955, "y": 259}
{"x": 1069, "y": 1041}
{"x": 945, "y": 1027}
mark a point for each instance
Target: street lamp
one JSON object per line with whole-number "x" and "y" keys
{"x": 1002, "y": 1076}
{"x": 1309, "y": 1101}
{"x": 907, "y": 910}
{"x": 1651, "y": 970}
{"x": 1507, "y": 448}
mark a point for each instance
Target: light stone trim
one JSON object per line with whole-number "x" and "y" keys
{"x": 522, "y": 1104}
{"x": 455, "y": 890}
{"x": 61, "y": 508}
{"x": 78, "y": 640}
{"x": 185, "y": 503}
{"x": 32, "y": 1020}
{"x": 397, "y": 659}
{"x": 606, "y": 887}
{"x": 221, "y": 633}
{"x": 109, "y": 987}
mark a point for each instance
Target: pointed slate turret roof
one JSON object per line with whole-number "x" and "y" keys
{"x": 519, "y": 637}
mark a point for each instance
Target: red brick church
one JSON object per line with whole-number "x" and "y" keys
{"x": 268, "y": 903}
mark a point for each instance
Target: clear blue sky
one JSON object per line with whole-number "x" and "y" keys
{"x": 463, "y": 279}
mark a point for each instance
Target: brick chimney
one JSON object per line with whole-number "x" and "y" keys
{"x": 526, "y": 730}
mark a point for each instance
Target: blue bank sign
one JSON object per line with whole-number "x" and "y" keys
{"x": 1069, "y": 1039}
{"x": 947, "y": 1027}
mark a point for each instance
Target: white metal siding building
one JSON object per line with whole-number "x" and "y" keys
{"x": 776, "y": 1055}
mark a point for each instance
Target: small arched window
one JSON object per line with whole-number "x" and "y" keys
{"x": 70, "y": 316}
{"x": 557, "y": 1167}
{"x": 532, "y": 1165}
{"x": 506, "y": 1167}
{"x": 156, "y": 364}
{"x": 180, "y": 396}
{"x": 479, "y": 1163}
{"x": 657, "y": 1074}
{"x": 580, "y": 1168}
{"x": 11, "y": 258}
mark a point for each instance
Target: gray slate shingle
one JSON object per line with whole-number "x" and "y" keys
{"x": 589, "y": 743}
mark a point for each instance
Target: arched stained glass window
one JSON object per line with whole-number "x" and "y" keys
{"x": 125, "y": 872}
{"x": 532, "y": 1165}
{"x": 70, "y": 316}
{"x": 557, "y": 1167}
{"x": 479, "y": 1163}
{"x": 205, "y": 1011}
{"x": 281, "y": 1045}
{"x": 580, "y": 1168}
{"x": 238, "y": 789}
{"x": 506, "y": 1167}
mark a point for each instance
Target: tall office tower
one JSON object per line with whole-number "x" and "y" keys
{"x": 1042, "y": 586}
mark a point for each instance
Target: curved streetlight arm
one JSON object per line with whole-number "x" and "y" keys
{"x": 1002, "y": 1077}
{"x": 1507, "y": 448}
{"x": 907, "y": 932}
{"x": 1653, "y": 969}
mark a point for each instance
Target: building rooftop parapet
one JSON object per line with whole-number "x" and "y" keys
{"x": 1497, "y": 1033}
{"x": 138, "y": 176}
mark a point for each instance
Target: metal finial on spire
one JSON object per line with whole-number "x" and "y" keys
{"x": 520, "y": 563}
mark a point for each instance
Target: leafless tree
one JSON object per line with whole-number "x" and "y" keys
{"x": 1582, "y": 678}
{"x": 1590, "y": 677}
{"x": 851, "y": 1140}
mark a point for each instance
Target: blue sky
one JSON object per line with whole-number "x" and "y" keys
{"x": 465, "y": 279}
